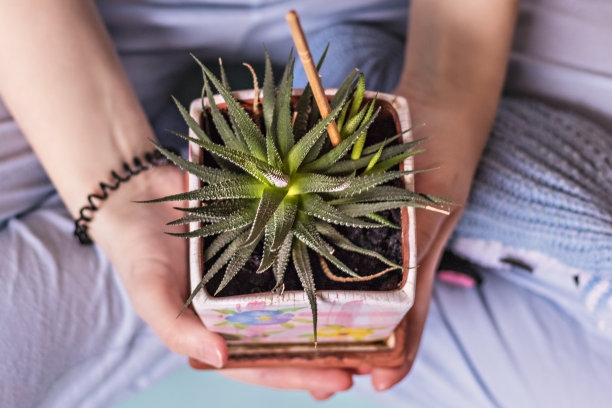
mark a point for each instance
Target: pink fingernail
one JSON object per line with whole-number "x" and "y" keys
{"x": 379, "y": 386}
{"x": 214, "y": 357}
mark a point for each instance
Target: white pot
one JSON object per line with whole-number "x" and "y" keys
{"x": 360, "y": 321}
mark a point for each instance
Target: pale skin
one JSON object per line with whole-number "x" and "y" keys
{"x": 62, "y": 58}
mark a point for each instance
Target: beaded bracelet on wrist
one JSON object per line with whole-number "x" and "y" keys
{"x": 151, "y": 159}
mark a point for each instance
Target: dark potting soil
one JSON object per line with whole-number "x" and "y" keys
{"x": 386, "y": 241}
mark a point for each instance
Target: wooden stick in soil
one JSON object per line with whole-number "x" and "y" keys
{"x": 299, "y": 39}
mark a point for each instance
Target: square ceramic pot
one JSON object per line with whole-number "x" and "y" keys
{"x": 267, "y": 329}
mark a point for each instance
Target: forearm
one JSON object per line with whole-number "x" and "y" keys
{"x": 63, "y": 82}
{"x": 453, "y": 74}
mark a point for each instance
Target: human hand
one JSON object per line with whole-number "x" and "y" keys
{"x": 153, "y": 269}
{"x": 453, "y": 150}
{"x": 433, "y": 231}
{"x": 153, "y": 265}
{"x": 452, "y": 180}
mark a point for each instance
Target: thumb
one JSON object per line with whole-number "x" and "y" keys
{"x": 159, "y": 303}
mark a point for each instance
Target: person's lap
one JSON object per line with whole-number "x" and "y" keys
{"x": 73, "y": 340}
{"x": 509, "y": 343}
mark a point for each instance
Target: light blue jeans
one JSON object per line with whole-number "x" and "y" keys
{"x": 69, "y": 337}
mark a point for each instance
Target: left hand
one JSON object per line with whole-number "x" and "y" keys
{"x": 153, "y": 265}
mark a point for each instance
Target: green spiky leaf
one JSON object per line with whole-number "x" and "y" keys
{"x": 223, "y": 128}
{"x": 269, "y": 92}
{"x": 298, "y": 152}
{"x": 384, "y": 193}
{"x": 358, "y": 97}
{"x": 339, "y": 240}
{"x": 373, "y": 160}
{"x": 342, "y": 118}
{"x": 270, "y": 200}
{"x": 236, "y": 263}
{"x": 307, "y": 233}
{"x": 240, "y": 187}
{"x": 207, "y": 174}
{"x": 344, "y": 91}
{"x": 304, "y": 272}
{"x": 345, "y": 166}
{"x": 191, "y": 122}
{"x": 363, "y": 209}
{"x": 280, "y": 266}
{"x": 368, "y": 181}
{"x": 248, "y": 129}
{"x": 234, "y": 221}
{"x": 226, "y": 255}
{"x": 382, "y": 220}
{"x": 390, "y": 162}
{"x": 268, "y": 257}
{"x": 281, "y": 123}
{"x": 283, "y": 221}
{"x": 304, "y": 183}
{"x": 328, "y": 159}
{"x": 219, "y": 208}
{"x": 315, "y": 206}
{"x": 220, "y": 242}
{"x": 259, "y": 169}
{"x": 352, "y": 123}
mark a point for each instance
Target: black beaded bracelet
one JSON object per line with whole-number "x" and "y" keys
{"x": 86, "y": 212}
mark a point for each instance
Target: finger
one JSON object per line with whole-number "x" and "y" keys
{"x": 158, "y": 303}
{"x": 428, "y": 225}
{"x": 321, "y": 396}
{"x": 385, "y": 378}
{"x": 321, "y": 381}
{"x": 363, "y": 370}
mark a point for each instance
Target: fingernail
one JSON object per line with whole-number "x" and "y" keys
{"x": 380, "y": 386}
{"x": 214, "y": 357}
{"x": 321, "y": 396}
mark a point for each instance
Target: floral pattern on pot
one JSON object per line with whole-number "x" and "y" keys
{"x": 258, "y": 317}
{"x": 338, "y": 332}
{"x": 261, "y": 317}
{"x": 339, "y": 322}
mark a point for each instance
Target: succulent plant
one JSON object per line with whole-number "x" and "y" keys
{"x": 282, "y": 181}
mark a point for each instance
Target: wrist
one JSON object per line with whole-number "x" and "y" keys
{"x": 95, "y": 161}
{"x": 136, "y": 178}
